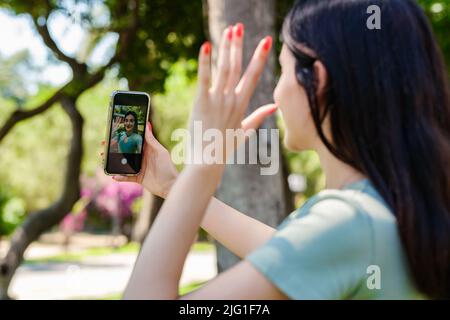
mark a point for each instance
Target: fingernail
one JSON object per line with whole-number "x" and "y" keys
{"x": 274, "y": 108}
{"x": 230, "y": 33}
{"x": 207, "y": 48}
{"x": 239, "y": 30}
{"x": 267, "y": 43}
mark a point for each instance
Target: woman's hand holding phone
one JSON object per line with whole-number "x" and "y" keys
{"x": 158, "y": 172}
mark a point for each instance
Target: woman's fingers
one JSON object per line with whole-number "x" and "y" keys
{"x": 204, "y": 69}
{"x": 149, "y": 137}
{"x": 255, "y": 119}
{"x": 223, "y": 69}
{"x": 235, "y": 57}
{"x": 248, "y": 83}
{"x": 125, "y": 178}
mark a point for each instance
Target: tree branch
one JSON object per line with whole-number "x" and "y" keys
{"x": 20, "y": 115}
{"x": 76, "y": 67}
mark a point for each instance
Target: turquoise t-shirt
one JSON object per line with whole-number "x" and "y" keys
{"x": 130, "y": 144}
{"x": 341, "y": 244}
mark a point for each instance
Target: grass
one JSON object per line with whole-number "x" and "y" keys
{"x": 131, "y": 247}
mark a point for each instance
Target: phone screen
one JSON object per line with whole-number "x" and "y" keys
{"x": 128, "y": 119}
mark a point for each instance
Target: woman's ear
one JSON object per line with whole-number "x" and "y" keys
{"x": 321, "y": 79}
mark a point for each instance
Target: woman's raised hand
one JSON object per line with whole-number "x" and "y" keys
{"x": 115, "y": 124}
{"x": 222, "y": 102}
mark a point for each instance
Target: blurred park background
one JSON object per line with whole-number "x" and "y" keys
{"x": 67, "y": 231}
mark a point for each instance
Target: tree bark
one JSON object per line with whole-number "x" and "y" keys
{"x": 39, "y": 221}
{"x": 151, "y": 203}
{"x": 150, "y": 208}
{"x": 266, "y": 198}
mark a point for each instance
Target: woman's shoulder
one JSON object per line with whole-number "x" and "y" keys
{"x": 336, "y": 235}
{"x": 356, "y": 199}
{"x": 355, "y": 211}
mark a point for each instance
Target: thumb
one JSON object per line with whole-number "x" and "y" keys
{"x": 257, "y": 117}
{"x": 149, "y": 137}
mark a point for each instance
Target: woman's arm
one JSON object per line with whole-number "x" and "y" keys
{"x": 238, "y": 232}
{"x": 159, "y": 266}
{"x": 158, "y": 269}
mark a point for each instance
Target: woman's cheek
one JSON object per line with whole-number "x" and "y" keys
{"x": 277, "y": 93}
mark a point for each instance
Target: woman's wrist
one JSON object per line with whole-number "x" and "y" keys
{"x": 211, "y": 172}
{"x": 166, "y": 188}
{"x": 162, "y": 189}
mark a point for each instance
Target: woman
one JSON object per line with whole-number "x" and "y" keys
{"x": 375, "y": 106}
{"x": 128, "y": 141}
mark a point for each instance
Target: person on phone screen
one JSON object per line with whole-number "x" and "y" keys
{"x": 128, "y": 140}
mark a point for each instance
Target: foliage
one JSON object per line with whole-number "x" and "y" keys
{"x": 12, "y": 211}
{"x": 171, "y": 110}
{"x": 169, "y": 31}
{"x": 33, "y": 153}
{"x": 438, "y": 12}
{"x": 13, "y": 84}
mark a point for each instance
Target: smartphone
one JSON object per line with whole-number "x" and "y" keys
{"x": 125, "y": 134}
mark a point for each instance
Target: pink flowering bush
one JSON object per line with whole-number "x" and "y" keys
{"x": 103, "y": 202}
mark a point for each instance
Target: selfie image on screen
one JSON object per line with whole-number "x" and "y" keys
{"x": 127, "y": 129}
{"x": 127, "y": 136}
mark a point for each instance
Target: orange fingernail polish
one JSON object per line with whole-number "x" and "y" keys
{"x": 267, "y": 43}
{"x": 239, "y": 30}
{"x": 206, "y": 47}
{"x": 230, "y": 33}
{"x": 275, "y": 108}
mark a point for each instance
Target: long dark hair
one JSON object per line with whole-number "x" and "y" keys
{"x": 388, "y": 103}
{"x": 135, "y": 127}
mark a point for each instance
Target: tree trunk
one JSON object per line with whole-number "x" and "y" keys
{"x": 150, "y": 208}
{"x": 264, "y": 197}
{"x": 151, "y": 203}
{"x": 40, "y": 221}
